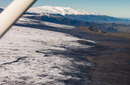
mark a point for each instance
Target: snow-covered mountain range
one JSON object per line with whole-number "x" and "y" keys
{"x": 75, "y": 14}
{"x": 58, "y": 10}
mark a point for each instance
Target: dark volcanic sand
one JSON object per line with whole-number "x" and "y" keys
{"x": 112, "y": 60}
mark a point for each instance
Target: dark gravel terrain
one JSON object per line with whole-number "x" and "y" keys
{"x": 112, "y": 58}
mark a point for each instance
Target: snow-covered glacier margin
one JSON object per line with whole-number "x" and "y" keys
{"x": 41, "y": 57}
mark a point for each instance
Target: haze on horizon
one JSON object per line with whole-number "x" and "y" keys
{"x": 116, "y": 8}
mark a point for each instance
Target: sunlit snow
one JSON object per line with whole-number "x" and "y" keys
{"x": 58, "y": 10}
{"x": 37, "y": 22}
{"x": 35, "y": 57}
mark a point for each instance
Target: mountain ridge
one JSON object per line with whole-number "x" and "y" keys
{"x": 59, "y": 10}
{"x": 76, "y": 14}
{"x": 105, "y": 27}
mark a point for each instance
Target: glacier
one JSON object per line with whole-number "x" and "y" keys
{"x": 31, "y": 56}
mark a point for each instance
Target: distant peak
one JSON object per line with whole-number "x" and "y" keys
{"x": 59, "y": 10}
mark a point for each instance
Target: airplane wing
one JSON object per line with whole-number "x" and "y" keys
{"x": 12, "y": 13}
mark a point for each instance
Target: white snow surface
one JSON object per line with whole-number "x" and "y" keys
{"x": 57, "y": 25}
{"x": 38, "y": 22}
{"x": 58, "y": 10}
{"x": 39, "y": 57}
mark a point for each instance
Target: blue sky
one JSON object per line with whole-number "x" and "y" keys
{"x": 116, "y": 8}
